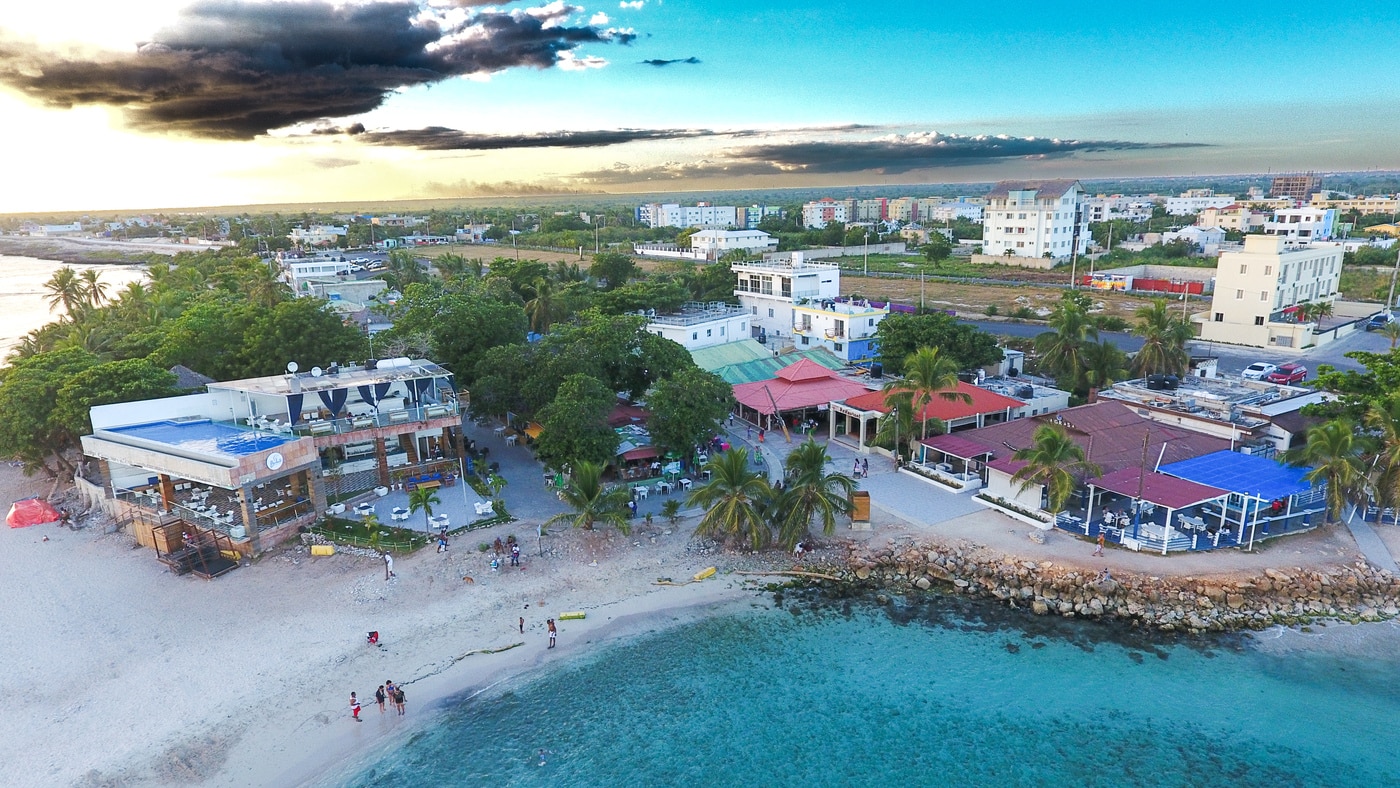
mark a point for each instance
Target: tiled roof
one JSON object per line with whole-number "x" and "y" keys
{"x": 1052, "y": 188}
{"x": 795, "y": 395}
{"x": 1158, "y": 488}
{"x": 982, "y": 401}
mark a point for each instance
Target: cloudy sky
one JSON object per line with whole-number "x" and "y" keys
{"x": 167, "y": 103}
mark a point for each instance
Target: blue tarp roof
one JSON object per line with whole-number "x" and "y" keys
{"x": 1246, "y": 474}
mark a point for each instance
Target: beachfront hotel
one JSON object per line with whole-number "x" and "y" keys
{"x": 248, "y": 460}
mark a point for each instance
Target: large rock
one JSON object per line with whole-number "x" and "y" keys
{"x": 922, "y": 584}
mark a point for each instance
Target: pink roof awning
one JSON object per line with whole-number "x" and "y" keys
{"x": 1158, "y": 488}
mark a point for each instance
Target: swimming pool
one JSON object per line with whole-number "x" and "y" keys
{"x": 203, "y": 436}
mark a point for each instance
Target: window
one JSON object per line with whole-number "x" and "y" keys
{"x": 838, "y": 347}
{"x": 694, "y": 335}
{"x": 1239, "y": 294}
{"x": 755, "y": 309}
{"x": 1268, "y": 270}
{"x": 721, "y": 330}
{"x": 872, "y": 321}
{"x": 709, "y": 332}
{"x": 1020, "y": 244}
{"x": 1263, "y": 295}
{"x": 1244, "y": 269}
{"x": 805, "y": 340}
{"x": 1258, "y": 320}
{"x": 770, "y": 313}
{"x": 1220, "y": 317}
{"x": 1020, "y": 216}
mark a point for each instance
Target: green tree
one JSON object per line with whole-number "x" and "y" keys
{"x": 94, "y": 289}
{"x": 66, "y": 289}
{"x": 543, "y": 308}
{"x": 1383, "y": 419}
{"x": 305, "y": 330}
{"x": 734, "y": 499}
{"x": 592, "y": 502}
{"x": 1104, "y": 364}
{"x": 1164, "y": 338}
{"x": 576, "y": 424}
{"x": 810, "y": 491}
{"x": 929, "y": 373}
{"x": 937, "y": 249}
{"x": 686, "y": 408}
{"x": 614, "y": 268}
{"x": 895, "y": 430}
{"x": 31, "y": 429}
{"x": 1062, "y": 348}
{"x": 462, "y": 325}
{"x": 423, "y": 499}
{"x": 1391, "y": 331}
{"x": 104, "y": 384}
{"x": 403, "y": 269}
{"x": 1336, "y": 454}
{"x": 1055, "y": 462}
{"x": 966, "y": 346}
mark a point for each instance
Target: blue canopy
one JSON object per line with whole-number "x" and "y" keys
{"x": 1245, "y": 474}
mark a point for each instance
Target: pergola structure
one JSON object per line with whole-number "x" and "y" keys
{"x": 1151, "y": 489}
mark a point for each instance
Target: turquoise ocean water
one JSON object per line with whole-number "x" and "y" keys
{"x": 936, "y": 691}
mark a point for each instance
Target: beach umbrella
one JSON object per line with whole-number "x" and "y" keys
{"x": 31, "y": 511}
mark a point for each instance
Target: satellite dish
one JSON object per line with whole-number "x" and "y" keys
{"x": 315, "y": 372}
{"x": 292, "y": 366}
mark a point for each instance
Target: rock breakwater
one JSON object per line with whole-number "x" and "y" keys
{"x": 1291, "y": 596}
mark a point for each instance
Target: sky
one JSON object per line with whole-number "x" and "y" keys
{"x": 181, "y": 103}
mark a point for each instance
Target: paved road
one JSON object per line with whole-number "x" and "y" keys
{"x": 1233, "y": 359}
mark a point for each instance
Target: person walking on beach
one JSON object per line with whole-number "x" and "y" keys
{"x": 552, "y": 632}
{"x": 855, "y": 472}
{"x": 522, "y": 625}
{"x": 389, "y": 690}
{"x": 865, "y": 467}
{"x": 388, "y": 566}
{"x": 748, "y": 430}
{"x": 398, "y": 699}
{"x": 379, "y": 697}
{"x": 355, "y": 707}
{"x": 1099, "y": 549}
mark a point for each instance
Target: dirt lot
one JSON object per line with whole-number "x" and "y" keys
{"x": 973, "y": 299}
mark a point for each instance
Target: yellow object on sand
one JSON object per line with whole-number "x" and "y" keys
{"x": 572, "y": 615}
{"x": 231, "y": 555}
{"x": 323, "y": 549}
{"x": 704, "y": 573}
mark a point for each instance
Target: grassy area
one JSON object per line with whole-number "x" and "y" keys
{"x": 360, "y": 534}
{"x": 1363, "y": 283}
{"x": 972, "y": 299}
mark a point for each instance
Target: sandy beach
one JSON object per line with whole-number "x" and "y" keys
{"x": 119, "y": 673}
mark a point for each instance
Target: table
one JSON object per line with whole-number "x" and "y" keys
{"x": 641, "y": 491}
{"x": 398, "y": 513}
{"x": 511, "y": 439}
{"x": 685, "y": 484}
{"x": 664, "y": 488}
{"x": 363, "y": 510}
{"x": 438, "y": 521}
{"x": 500, "y": 430}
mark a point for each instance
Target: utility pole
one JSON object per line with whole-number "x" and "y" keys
{"x": 866, "y": 271}
{"x": 1390, "y": 299}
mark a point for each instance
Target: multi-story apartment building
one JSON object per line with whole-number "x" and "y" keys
{"x": 757, "y": 213}
{"x": 872, "y": 210}
{"x": 1035, "y": 219}
{"x": 1298, "y": 186}
{"x": 700, "y": 325}
{"x": 1361, "y": 205}
{"x": 770, "y": 289}
{"x": 932, "y": 209}
{"x": 817, "y": 214}
{"x": 1259, "y": 290}
{"x": 1195, "y": 201}
{"x": 1104, "y": 208}
{"x": 317, "y": 234}
{"x": 698, "y": 215}
{"x": 1302, "y": 224}
{"x": 1239, "y": 218}
{"x": 846, "y": 329}
{"x": 394, "y": 220}
{"x": 902, "y": 209}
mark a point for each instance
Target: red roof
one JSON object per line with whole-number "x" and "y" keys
{"x": 640, "y": 453}
{"x": 806, "y": 369}
{"x": 1158, "y": 488}
{"x": 626, "y": 413}
{"x": 796, "y": 394}
{"x": 957, "y": 446}
{"x": 982, "y": 401}
{"x": 1110, "y": 433}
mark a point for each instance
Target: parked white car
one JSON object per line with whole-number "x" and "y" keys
{"x": 1258, "y": 370}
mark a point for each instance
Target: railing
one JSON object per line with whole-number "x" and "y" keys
{"x": 347, "y": 424}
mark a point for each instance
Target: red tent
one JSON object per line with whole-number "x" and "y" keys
{"x": 31, "y": 511}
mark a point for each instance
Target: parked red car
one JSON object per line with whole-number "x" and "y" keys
{"x": 1287, "y": 374}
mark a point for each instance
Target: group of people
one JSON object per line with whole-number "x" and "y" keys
{"x": 388, "y": 692}
{"x": 502, "y": 548}
{"x": 861, "y": 469}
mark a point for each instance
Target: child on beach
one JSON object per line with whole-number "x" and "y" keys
{"x": 355, "y": 707}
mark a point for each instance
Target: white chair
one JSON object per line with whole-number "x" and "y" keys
{"x": 641, "y": 491}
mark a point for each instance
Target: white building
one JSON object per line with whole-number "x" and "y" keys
{"x": 847, "y": 328}
{"x": 715, "y": 243}
{"x": 60, "y": 229}
{"x": 297, "y": 273}
{"x": 1195, "y": 201}
{"x": 818, "y": 213}
{"x": 318, "y": 234}
{"x": 769, "y": 290}
{"x": 1207, "y": 240}
{"x": 1302, "y": 224}
{"x": 1240, "y": 218}
{"x": 394, "y": 220}
{"x": 1035, "y": 219}
{"x": 700, "y": 325}
{"x": 948, "y": 210}
{"x": 698, "y": 215}
{"x": 1258, "y": 291}
{"x": 1105, "y": 208}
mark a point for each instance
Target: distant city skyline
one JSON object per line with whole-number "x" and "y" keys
{"x": 170, "y": 103}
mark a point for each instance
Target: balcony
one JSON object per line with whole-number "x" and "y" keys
{"x": 355, "y": 421}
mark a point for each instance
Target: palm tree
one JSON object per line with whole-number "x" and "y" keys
{"x": 544, "y": 307}
{"x": 811, "y": 491}
{"x": 1104, "y": 364}
{"x": 929, "y": 373}
{"x": 66, "y": 289}
{"x": 592, "y": 501}
{"x": 1062, "y": 348}
{"x": 1164, "y": 338}
{"x": 1391, "y": 331}
{"x": 1053, "y": 461}
{"x": 424, "y": 498}
{"x": 450, "y": 265}
{"x": 94, "y": 289}
{"x": 1383, "y": 418}
{"x": 1337, "y": 456}
{"x": 894, "y": 426}
{"x": 734, "y": 499}
{"x": 566, "y": 272}
{"x": 263, "y": 288}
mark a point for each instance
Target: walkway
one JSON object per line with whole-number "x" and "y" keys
{"x": 1371, "y": 545}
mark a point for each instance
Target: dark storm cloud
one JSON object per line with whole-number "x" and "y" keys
{"x": 229, "y": 69}
{"x": 692, "y": 60}
{"x": 888, "y": 155}
{"x": 439, "y": 138}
